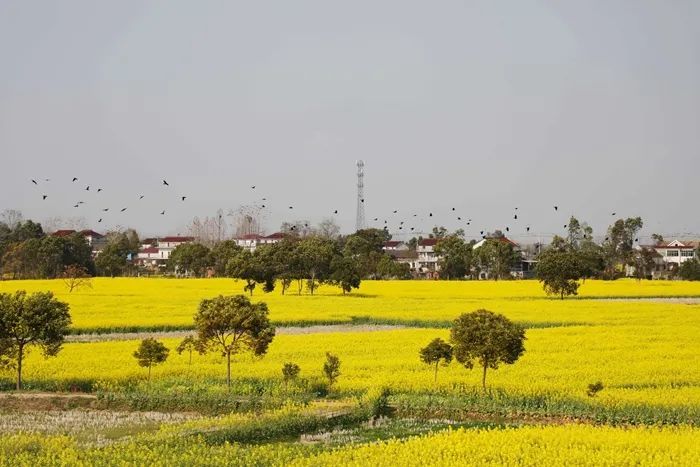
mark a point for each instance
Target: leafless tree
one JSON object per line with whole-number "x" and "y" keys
{"x": 248, "y": 219}
{"x": 76, "y": 277}
{"x": 328, "y": 228}
{"x": 209, "y": 230}
{"x": 11, "y": 217}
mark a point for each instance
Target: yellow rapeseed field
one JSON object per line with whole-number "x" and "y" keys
{"x": 525, "y": 446}
{"x": 646, "y": 365}
{"x": 122, "y": 303}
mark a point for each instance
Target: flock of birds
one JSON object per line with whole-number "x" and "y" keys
{"x": 402, "y": 226}
{"x": 78, "y": 204}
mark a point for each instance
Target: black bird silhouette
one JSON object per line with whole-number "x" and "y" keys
{"x": 362, "y": 200}
{"x": 515, "y": 217}
{"x": 430, "y": 215}
{"x": 565, "y": 225}
{"x": 516, "y": 209}
{"x": 481, "y": 233}
{"x": 291, "y": 207}
{"x": 507, "y": 229}
{"x": 556, "y": 208}
{"x": 253, "y": 187}
{"x": 162, "y": 213}
{"x": 401, "y": 223}
{"x": 264, "y": 199}
{"x": 141, "y": 196}
{"x": 291, "y": 228}
{"x": 607, "y": 238}
{"x": 123, "y": 209}
{"x": 411, "y": 228}
{"x": 100, "y": 220}
{"x": 376, "y": 219}
{"x": 44, "y": 196}
{"x": 415, "y": 215}
{"x": 335, "y": 212}
{"x": 105, "y": 209}
{"x": 459, "y": 218}
{"x": 75, "y": 179}
{"x": 400, "y": 228}
{"x": 99, "y": 189}
{"x": 527, "y": 229}
{"x": 87, "y": 188}
{"x": 395, "y": 212}
{"x": 34, "y": 182}
{"x": 76, "y": 206}
{"x": 636, "y": 239}
{"x": 166, "y": 183}
{"x": 614, "y": 213}
{"x": 263, "y": 205}
{"x": 183, "y": 197}
{"x": 453, "y": 209}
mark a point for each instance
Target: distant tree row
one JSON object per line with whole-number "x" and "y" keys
{"x": 295, "y": 262}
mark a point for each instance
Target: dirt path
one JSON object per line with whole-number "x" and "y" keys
{"x": 321, "y": 329}
{"x": 681, "y": 300}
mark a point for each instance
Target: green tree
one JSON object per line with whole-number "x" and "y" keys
{"x": 151, "y": 352}
{"x": 618, "y": 247}
{"x": 454, "y": 256}
{"x": 31, "y": 320}
{"x": 690, "y": 269}
{"x": 331, "y": 368}
{"x": 290, "y": 371}
{"x": 435, "y": 352}
{"x": 497, "y": 256}
{"x": 388, "y": 268}
{"x": 244, "y": 266}
{"x": 643, "y": 262}
{"x": 233, "y": 324}
{"x": 190, "y": 258}
{"x": 315, "y": 255}
{"x": 190, "y": 344}
{"x": 344, "y": 274}
{"x": 222, "y": 253}
{"x": 559, "y": 271}
{"x": 487, "y": 338}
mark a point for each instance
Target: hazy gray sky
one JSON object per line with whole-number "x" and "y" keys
{"x": 483, "y": 106}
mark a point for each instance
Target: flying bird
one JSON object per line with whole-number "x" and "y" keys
{"x": 183, "y": 197}
{"x": 430, "y": 215}
{"x": 76, "y": 206}
{"x": 263, "y": 205}
{"x": 99, "y": 189}
{"x": 87, "y": 188}
{"x": 395, "y": 211}
{"x": 362, "y": 200}
{"x": 507, "y": 229}
{"x": 565, "y": 225}
{"x": 166, "y": 183}
{"x": 81, "y": 202}
{"x": 459, "y": 218}
{"x": 75, "y": 179}
{"x": 291, "y": 207}
{"x": 44, "y": 196}
{"x": 123, "y": 209}
{"x": 100, "y": 220}
{"x": 105, "y": 209}
{"x": 34, "y": 182}
{"x": 141, "y": 196}
{"x": 376, "y": 219}
{"x": 515, "y": 217}
{"x": 453, "y": 209}
{"x": 614, "y": 213}
{"x": 162, "y": 213}
{"x": 527, "y": 229}
{"x": 335, "y": 212}
{"x": 556, "y": 208}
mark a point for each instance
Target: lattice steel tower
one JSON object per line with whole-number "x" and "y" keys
{"x": 360, "y": 218}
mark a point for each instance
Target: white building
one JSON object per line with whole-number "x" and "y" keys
{"x": 676, "y": 252}
{"x": 427, "y": 261}
{"x": 252, "y": 241}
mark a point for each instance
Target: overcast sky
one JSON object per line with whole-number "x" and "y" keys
{"x": 593, "y": 106}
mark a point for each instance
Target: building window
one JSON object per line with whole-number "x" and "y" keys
{"x": 687, "y": 253}
{"x": 672, "y": 253}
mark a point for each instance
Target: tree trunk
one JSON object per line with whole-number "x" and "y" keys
{"x": 436, "y": 368}
{"x": 20, "y": 351}
{"x": 228, "y": 369}
{"x": 483, "y": 378}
